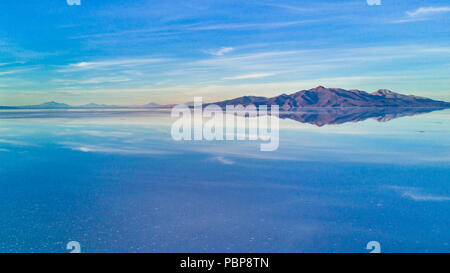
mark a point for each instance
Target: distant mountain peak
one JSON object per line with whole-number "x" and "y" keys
{"x": 152, "y": 104}
{"x": 53, "y": 104}
{"x": 95, "y": 105}
{"x": 318, "y": 88}
{"x": 384, "y": 92}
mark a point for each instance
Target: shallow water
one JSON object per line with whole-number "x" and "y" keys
{"x": 115, "y": 181}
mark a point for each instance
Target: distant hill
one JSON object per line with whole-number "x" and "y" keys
{"x": 95, "y": 105}
{"x": 46, "y": 105}
{"x": 57, "y": 105}
{"x": 336, "y": 97}
{"x": 151, "y": 105}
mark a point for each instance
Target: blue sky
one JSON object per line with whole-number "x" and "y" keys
{"x": 134, "y": 52}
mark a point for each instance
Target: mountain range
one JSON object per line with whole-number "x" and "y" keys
{"x": 336, "y": 97}
{"x": 312, "y": 98}
{"x": 57, "y": 105}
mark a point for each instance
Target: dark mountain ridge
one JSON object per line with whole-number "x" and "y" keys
{"x": 337, "y": 97}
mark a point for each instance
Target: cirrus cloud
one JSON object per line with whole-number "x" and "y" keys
{"x": 425, "y": 11}
{"x": 249, "y": 76}
{"x": 222, "y": 51}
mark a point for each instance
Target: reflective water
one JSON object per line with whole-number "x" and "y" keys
{"x": 116, "y": 181}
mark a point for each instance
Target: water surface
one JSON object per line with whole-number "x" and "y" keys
{"x": 115, "y": 181}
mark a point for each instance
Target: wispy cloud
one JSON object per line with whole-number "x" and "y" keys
{"x": 95, "y": 133}
{"x": 10, "y": 49}
{"x": 186, "y": 28}
{"x": 11, "y": 63}
{"x": 97, "y": 80}
{"x": 421, "y": 14}
{"x": 15, "y": 71}
{"x": 105, "y": 133}
{"x": 319, "y": 7}
{"x": 291, "y": 8}
{"x": 425, "y": 197}
{"x": 15, "y": 142}
{"x": 104, "y": 80}
{"x": 222, "y": 51}
{"x": 427, "y": 11}
{"x": 223, "y": 160}
{"x": 120, "y": 149}
{"x": 247, "y": 26}
{"x": 416, "y": 195}
{"x": 249, "y": 76}
{"x": 156, "y": 31}
{"x": 105, "y": 64}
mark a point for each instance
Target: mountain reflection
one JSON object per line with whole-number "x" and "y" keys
{"x": 340, "y": 115}
{"x": 319, "y": 116}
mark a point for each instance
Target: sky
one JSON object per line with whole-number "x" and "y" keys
{"x": 135, "y": 52}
